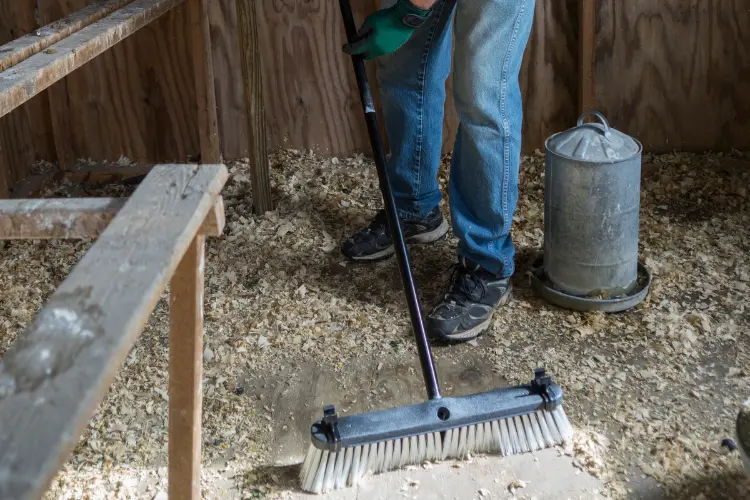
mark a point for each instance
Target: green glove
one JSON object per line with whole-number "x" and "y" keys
{"x": 386, "y": 30}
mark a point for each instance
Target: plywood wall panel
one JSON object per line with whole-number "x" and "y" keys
{"x": 136, "y": 100}
{"x": 26, "y": 133}
{"x": 676, "y": 73}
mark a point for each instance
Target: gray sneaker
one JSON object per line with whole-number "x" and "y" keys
{"x": 465, "y": 312}
{"x": 374, "y": 242}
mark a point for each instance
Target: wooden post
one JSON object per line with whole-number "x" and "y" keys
{"x": 185, "y": 373}
{"x": 587, "y": 55}
{"x": 203, "y": 68}
{"x": 4, "y": 172}
{"x": 256, "y": 122}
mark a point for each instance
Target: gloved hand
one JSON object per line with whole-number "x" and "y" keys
{"x": 387, "y": 29}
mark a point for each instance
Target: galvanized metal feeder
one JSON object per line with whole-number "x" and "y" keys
{"x": 591, "y": 220}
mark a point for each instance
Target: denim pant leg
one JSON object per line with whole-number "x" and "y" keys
{"x": 491, "y": 37}
{"x": 412, "y": 89}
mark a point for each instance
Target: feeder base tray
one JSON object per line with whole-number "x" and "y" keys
{"x": 743, "y": 435}
{"x": 545, "y": 289}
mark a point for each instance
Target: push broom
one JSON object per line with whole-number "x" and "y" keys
{"x": 506, "y": 421}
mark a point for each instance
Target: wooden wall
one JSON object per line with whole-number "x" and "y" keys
{"x": 675, "y": 73}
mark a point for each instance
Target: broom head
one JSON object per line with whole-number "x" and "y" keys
{"x": 506, "y": 421}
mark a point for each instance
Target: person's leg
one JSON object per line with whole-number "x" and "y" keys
{"x": 491, "y": 37}
{"x": 412, "y": 90}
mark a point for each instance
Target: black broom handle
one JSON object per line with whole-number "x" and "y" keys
{"x": 423, "y": 344}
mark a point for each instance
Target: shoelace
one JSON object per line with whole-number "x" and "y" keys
{"x": 463, "y": 286}
{"x": 380, "y": 221}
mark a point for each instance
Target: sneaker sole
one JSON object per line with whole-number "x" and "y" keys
{"x": 481, "y": 328}
{"x": 417, "y": 239}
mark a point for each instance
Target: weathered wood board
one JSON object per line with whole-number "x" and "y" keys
{"x": 76, "y": 218}
{"x": 57, "y": 371}
{"x": 673, "y": 73}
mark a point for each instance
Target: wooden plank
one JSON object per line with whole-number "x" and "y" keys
{"x": 587, "y": 55}
{"x": 56, "y": 372}
{"x": 77, "y": 218}
{"x": 215, "y": 221}
{"x": 256, "y": 119}
{"x": 107, "y": 173}
{"x": 63, "y": 218}
{"x": 26, "y": 134}
{"x": 208, "y": 128}
{"x": 675, "y": 74}
{"x": 21, "y": 82}
{"x": 26, "y": 46}
{"x": 185, "y": 373}
{"x": 32, "y": 186}
{"x": 225, "y": 45}
{"x": 4, "y": 188}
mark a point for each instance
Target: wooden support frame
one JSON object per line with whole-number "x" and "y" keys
{"x": 587, "y": 55}
{"x": 22, "y": 48}
{"x": 76, "y": 218}
{"x": 26, "y": 79}
{"x": 256, "y": 121}
{"x": 68, "y": 356}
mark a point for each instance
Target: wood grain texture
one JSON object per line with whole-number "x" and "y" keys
{"x": 215, "y": 220}
{"x": 229, "y": 85}
{"x": 26, "y": 46}
{"x": 661, "y": 68}
{"x": 250, "y": 61}
{"x": 138, "y": 98}
{"x": 26, "y": 134}
{"x": 549, "y": 76}
{"x": 186, "y": 372}
{"x": 56, "y": 218}
{"x": 208, "y": 130}
{"x": 30, "y": 77}
{"x": 311, "y": 95}
{"x": 586, "y": 55}
{"x": 676, "y": 73}
{"x": 56, "y": 373}
{"x": 77, "y": 218}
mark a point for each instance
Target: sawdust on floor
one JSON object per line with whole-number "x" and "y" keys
{"x": 653, "y": 390}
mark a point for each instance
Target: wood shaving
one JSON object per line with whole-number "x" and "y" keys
{"x": 662, "y": 383}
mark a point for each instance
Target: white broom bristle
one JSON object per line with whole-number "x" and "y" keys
{"x": 323, "y": 471}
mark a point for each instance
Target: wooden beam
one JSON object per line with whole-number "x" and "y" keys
{"x": 107, "y": 173}
{"x": 56, "y": 372}
{"x": 4, "y": 188}
{"x": 185, "y": 373}
{"x": 203, "y": 68}
{"x": 33, "y": 185}
{"x": 215, "y": 220}
{"x": 587, "y": 55}
{"x": 62, "y": 218}
{"x": 26, "y": 46}
{"x": 76, "y": 218}
{"x": 37, "y": 73}
{"x": 256, "y": 121}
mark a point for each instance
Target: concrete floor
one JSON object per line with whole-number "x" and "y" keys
{"x": 298, "y": 399}
{"x": 546, "y": 476}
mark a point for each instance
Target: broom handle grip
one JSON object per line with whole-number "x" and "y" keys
{"x": 423, "y": 345}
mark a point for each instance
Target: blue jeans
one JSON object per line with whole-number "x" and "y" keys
{"x": 490, "y": 39}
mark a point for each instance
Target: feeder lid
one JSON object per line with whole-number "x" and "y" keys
{"x": 593, "y": 142}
